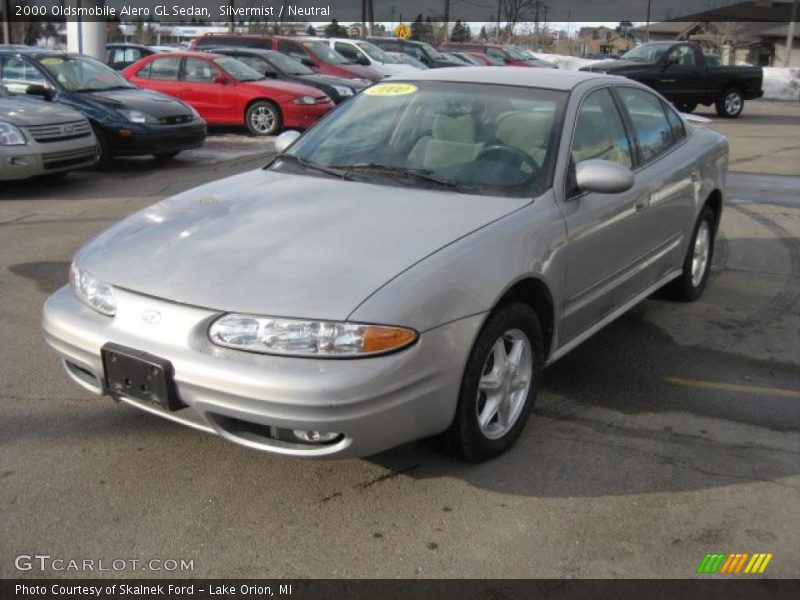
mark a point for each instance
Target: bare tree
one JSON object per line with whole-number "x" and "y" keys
{"x": 515, "y": 11}
{"x": 722, "y": 34}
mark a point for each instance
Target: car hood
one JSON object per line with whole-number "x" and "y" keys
{"x": 153, "y": 103}
{"x": 284, "y": 245}
{"x": 362, "y": 71}
{"x": 333, "y": 80}
{"x": 616, "y": 66}
{"x": 32, "y": 111}
{"x": 287, "y": 87}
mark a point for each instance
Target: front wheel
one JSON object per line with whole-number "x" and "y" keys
{"x": 499, "y": 384}
{"x": 697, "y": 264}
{"x": 165, "y": 156}
{"x": 263, "y": 118}
{"x": 730, "y": 104}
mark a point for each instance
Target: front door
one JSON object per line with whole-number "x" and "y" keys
{"x": 605, "y": 240}
{"x": 202, "y": 87}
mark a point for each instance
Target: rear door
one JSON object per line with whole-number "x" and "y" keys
{"x": 202, "y": 87}
{"x": 672, "y": 175}
{"x": 162, "y": 75}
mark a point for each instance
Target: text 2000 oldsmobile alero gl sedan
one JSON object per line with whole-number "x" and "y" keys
{"x": 404, "y": 269}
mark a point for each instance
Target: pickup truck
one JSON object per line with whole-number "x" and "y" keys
{"x": 680, "y": 72}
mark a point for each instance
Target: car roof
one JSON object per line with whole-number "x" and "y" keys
{"x": 33, "y": 51}
{"x": 183, "y": 54}
{"x": 554, "y": 79}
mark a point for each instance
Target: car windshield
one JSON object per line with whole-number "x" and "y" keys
{"x": 237, "y": 69}
{"x": 517, "y": 53}
{"x": 374, "y": 52}
{"x": 287, "y": 64}
{"x": 325, "y": 53}
{"x": 82, "y": 74}
{"x": 459, "y": 137}
{"x": 646, "y": 53}
{"x": 431, "y": 51}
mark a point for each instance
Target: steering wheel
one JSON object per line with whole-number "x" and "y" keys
{"x": 513, "y": 152}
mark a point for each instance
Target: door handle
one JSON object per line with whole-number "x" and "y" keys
{"x": 643, "y": 203}
{"x": 695, "y": 176}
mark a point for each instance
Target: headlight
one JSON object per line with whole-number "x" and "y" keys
{"x": 295, "y": 337}
{"x": 343, "y": 91}
{"x": 305, "y": 100}
{"x": 137, "y": 116}
{"x": 92, "y": 292}
{"x": 10, "y": 135}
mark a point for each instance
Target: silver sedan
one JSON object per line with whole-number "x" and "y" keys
{"x": 406, "y": 268}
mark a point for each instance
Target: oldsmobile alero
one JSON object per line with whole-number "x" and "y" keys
{"x": 405, "y": 268}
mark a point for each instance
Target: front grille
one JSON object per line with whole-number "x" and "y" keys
{"x": 58, "y": 132}
{"x": 68, "y": 158}
{"x": 176, "y": 120}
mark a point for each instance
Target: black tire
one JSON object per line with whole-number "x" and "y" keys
{"x": 466, "y": 438}
{"x": 687, "y": 288}
{"x": 165, "y": 156}
{"x": 263, "y": 118}
{"x": 105, "y": 157}
{"x": 730, "y": 103}
{"x": 686, "y": 107}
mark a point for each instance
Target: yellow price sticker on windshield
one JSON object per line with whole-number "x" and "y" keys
{"x": 390, "y": 89}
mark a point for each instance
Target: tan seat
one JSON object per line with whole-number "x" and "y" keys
{"x": 452, "y": 141}
{"x": 527, "y": 130}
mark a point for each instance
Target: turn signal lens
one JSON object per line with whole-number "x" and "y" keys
{"x": 383, "y": 339}
{"x": 297, "y": 337}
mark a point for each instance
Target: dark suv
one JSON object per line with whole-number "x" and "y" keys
{"x": 425, "y": 53}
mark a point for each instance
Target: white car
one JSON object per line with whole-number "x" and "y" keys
{"x": 368, "y": 54}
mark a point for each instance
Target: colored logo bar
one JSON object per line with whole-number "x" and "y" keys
{"x": 734, "y": 563}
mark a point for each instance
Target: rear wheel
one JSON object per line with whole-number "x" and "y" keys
{"x": 263, "y": 118}
{"x": 730, "y": 104}
{"x": 697, "y": 264}
{"x": 499, "y": 384}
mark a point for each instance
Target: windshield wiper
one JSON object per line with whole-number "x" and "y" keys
{"x": 420, "y": 174}
{"x": 332, "y": 171}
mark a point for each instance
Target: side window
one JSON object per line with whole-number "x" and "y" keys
{"x": 675, "y": 123}
{"x": 346, "y": 50}
{"x": 144, "y": 72}
{"x": 200, "y": 71}
{"x": 599, "y": 132}
{"x": 166, "y": 68}
{"x": 651, "y": 128}
{"x": 291, "y": 49}
{"x": 254, "y": 63}
{"x": 495, "y": 53}
{"x": 681, "y": 55}
{"x": 18, "y": 74}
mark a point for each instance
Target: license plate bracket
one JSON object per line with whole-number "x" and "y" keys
{"x": 140, "y": 376}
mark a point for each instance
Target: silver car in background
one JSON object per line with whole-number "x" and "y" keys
{"x": 40, "y": 138}
{"x": 406, "y": 268}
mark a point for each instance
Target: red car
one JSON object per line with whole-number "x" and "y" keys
{"x": 226, "y": 91}
{"x": 504, "y": 54}
{"x": 311, "y": 51}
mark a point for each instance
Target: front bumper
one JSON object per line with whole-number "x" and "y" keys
{"x": 375, "y": 403}
{"x": 138, "y": 140}
{"x": 34, "y": 159}
{"x": 299, "y": 116}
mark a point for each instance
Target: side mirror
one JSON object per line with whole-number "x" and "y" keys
{"x": 603, "y": 177}
{"x": 363, "y": 60}
{"x": 270, "y": 74}
{"x": 307, "y": 62}
{"x": 286, "y": 139}
{"x": 46, "y": 93}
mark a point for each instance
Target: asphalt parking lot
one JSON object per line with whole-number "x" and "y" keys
{"x": 672, "y": 433}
